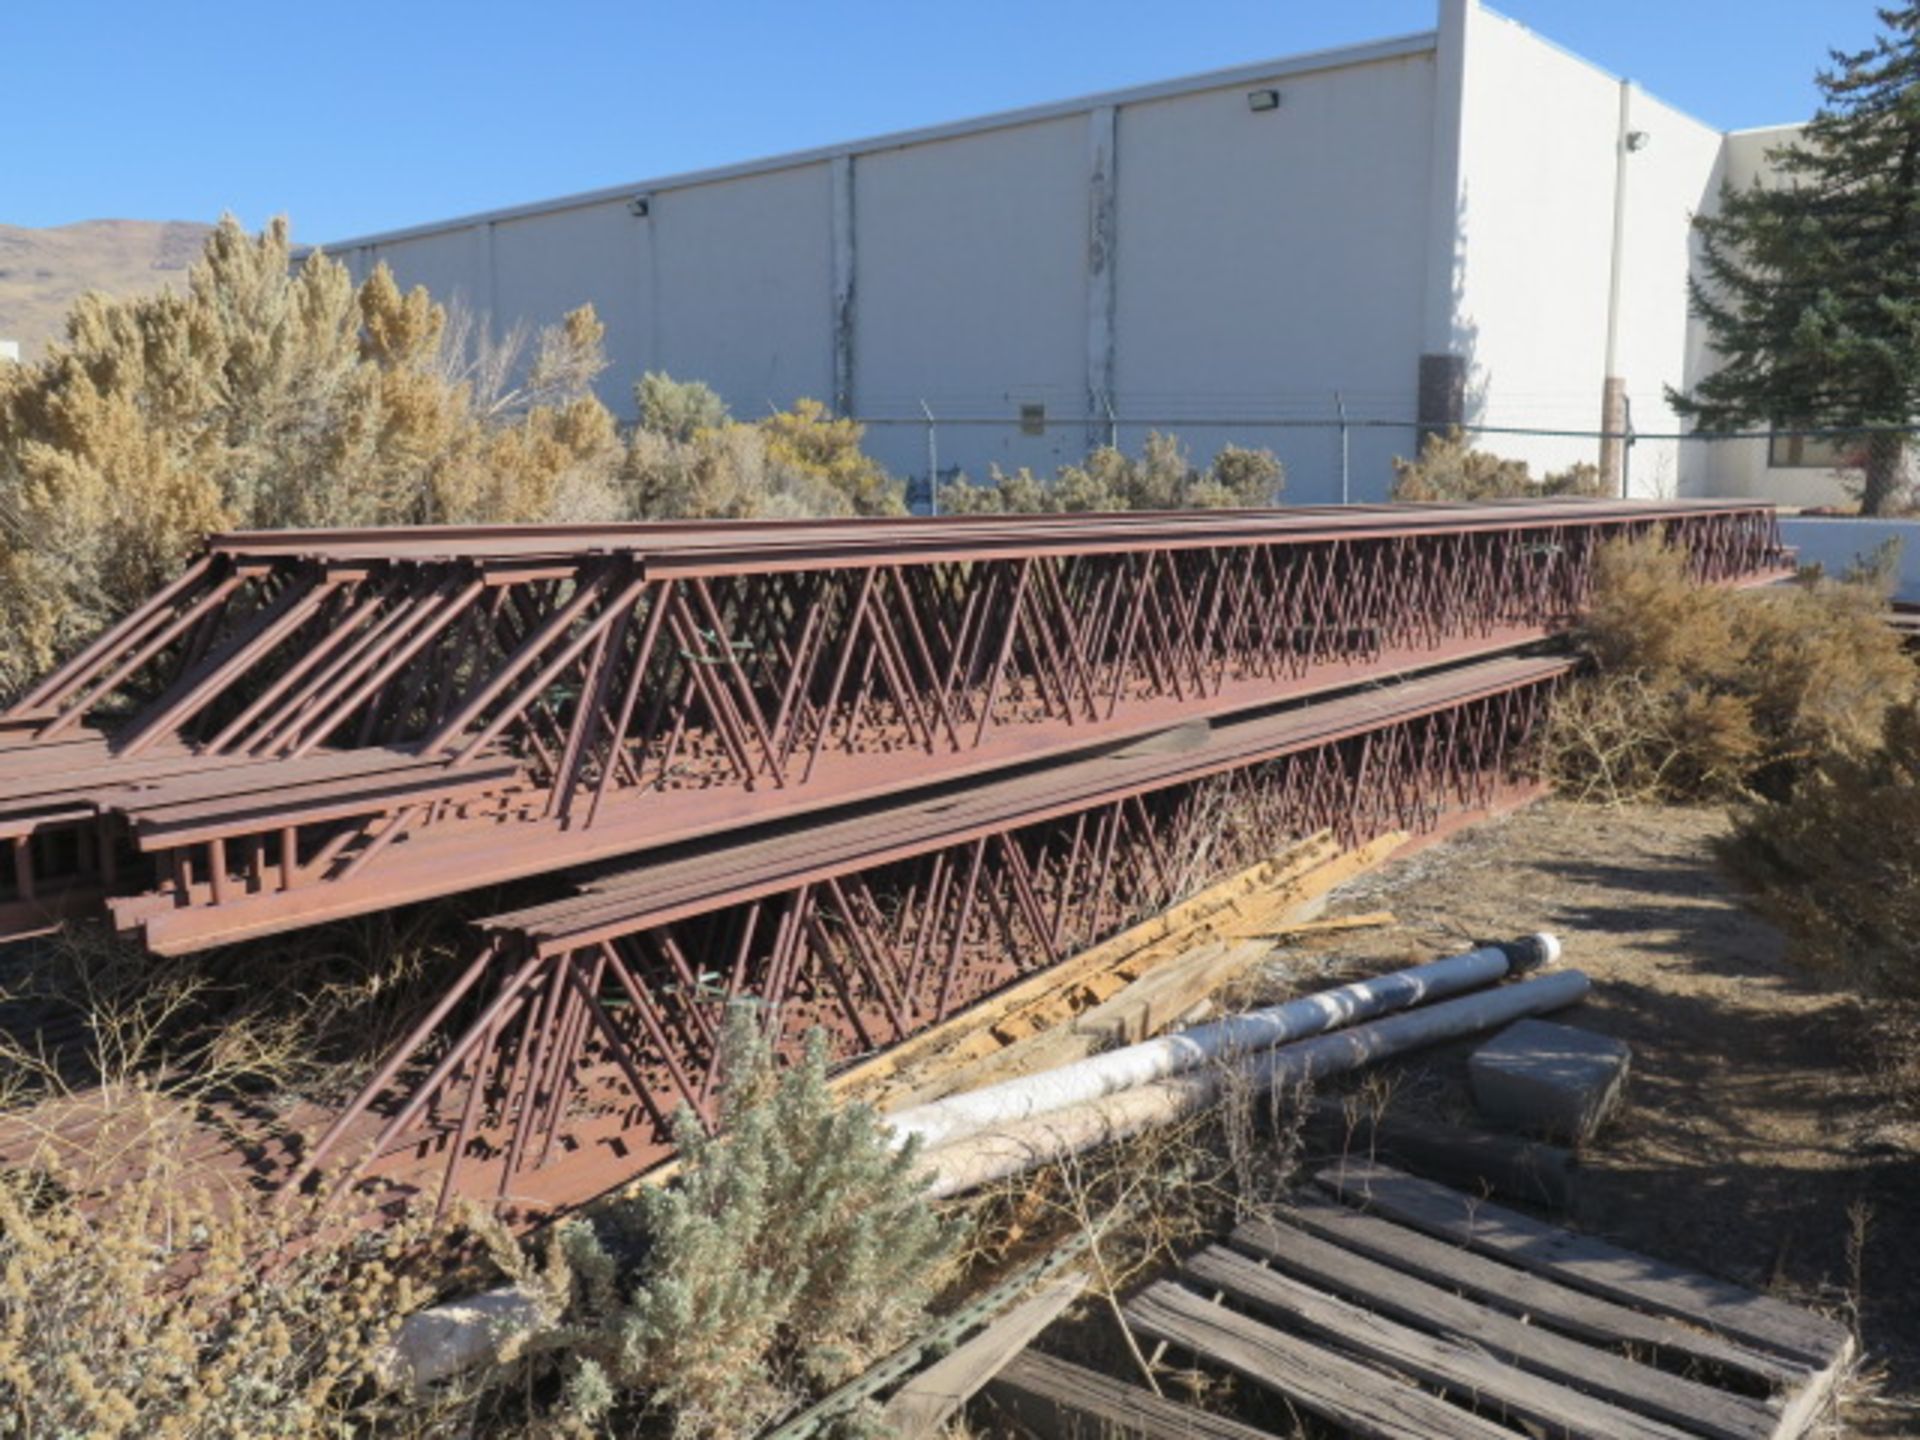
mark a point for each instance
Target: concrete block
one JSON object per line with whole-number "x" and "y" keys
{"x": 1556, "y": 1079}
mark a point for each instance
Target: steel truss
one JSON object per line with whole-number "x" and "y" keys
{"x": 313, "y": 725}
{"x": 551, "y": 1070}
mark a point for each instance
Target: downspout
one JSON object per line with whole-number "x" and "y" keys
{"x": 1440, "y": 394}
{"x": 1613, "y": 389}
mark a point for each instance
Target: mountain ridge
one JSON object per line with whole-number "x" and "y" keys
{"x": 43, "y": 271}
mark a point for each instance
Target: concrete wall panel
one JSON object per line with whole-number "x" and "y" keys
{"x": 545, "y": 266}
{"x": 1268, "y": 259}
{"x": 740, "y": 289}
{"x": 970, "y": 291}
{"x": 1536, "y": 227}
{"x": 1670, "y": 179}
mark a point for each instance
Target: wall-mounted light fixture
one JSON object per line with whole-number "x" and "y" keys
{"x": 640, "y": 206}
{"x": 1637, "y": 140}
{"x": 1263, "y": 99}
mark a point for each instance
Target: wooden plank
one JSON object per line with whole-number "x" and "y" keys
{"x": 988, "y": 1054}
{"x": 1354, "y": 1396}
{"x": 1331, "y": 925}
{"x": 1478, "y": 1161}
{"x": 1061, "y": 1401}
{"x": 1524, "y": 1293}
{"x": 1462, "y": 1368}
{"x": 1813, "y": 1403}
{"x": 924, "y": 1403}
{"x": 1387, "y": 1291}
{"x": 1142, "y": 1009}
{"x": 1593, "y": 1265}
{"x": 1153, "y": 1002}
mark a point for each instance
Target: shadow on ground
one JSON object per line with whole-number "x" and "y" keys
{"x": 1755, "y": 1141}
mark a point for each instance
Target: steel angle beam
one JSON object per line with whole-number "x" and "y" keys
{"x": 565, "y": 695}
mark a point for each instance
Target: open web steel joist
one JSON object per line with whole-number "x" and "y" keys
{"x": 309, "y": 725}
{"x": 551, "y": 1069}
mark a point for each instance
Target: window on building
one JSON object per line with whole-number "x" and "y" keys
{"x": 1790, "y": 449}
{"x": 1033, "y": 419}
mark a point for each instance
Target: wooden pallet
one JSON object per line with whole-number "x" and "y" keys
{"x": 1397, "y": 1307}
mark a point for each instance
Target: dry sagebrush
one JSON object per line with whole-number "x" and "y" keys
{"x": 795, "y": 1248}
{"x": 137, "y": 1300}
{"x": 1702, "y": 692}
{"x": 144, "y": 1290}
{"x": 1161, "y": 477}
{"x": 1451, "y": 470}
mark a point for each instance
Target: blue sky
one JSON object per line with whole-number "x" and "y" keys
{"x": 354, "y": 118}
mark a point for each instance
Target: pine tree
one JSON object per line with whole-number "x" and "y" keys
{"x": 1811, "y": 286}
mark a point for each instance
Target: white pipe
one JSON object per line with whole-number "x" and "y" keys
{"x": 1616, "y": 253}
{"x": 943, "y": 1121}
{"x": 974, "y": 1161}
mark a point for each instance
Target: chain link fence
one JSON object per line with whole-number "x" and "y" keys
{"x": 1346, "y": 455}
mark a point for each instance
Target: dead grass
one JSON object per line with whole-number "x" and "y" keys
{"x": 146, "y": 1290}
{"x": 151, "y": 1306}
{"x": 143, "y": 1292}
{"x": 307, "y": 1015}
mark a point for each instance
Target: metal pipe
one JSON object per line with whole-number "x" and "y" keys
{"x": 994, "y": 1155}
{"x": 942, "y": 1122}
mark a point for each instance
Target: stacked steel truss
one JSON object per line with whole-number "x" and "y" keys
{"x": 885, "y": 767}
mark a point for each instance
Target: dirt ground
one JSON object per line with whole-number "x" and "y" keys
{"x": 1760, "y": 1131}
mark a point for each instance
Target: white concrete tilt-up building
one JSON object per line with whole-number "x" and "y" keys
{"x": 1463, "y": 225}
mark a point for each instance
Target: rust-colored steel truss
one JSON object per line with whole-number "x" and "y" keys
{"x": 551, "y": 1069}
{"x": 311, "y": 725}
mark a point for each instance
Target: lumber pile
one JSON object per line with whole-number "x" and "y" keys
{"x": 1131, "y": 986}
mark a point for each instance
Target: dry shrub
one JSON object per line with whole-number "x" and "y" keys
{"x": 140, "y": 1290}
{"x": 1837, "y": 866}
{"x": 274, "y": 394}
{"x": 1450, "y": 469}
{"x": 795, "y": 1248}
{"x": 144, "y": 1289}
{"x": 816, "y": 443}
{"x": 1702, "y": 691}
{"x": 1160, "y": 478}
{"x": 689, "y": 460}
{"x": 266, "y": 394}
{"x": 138, "y": 1298}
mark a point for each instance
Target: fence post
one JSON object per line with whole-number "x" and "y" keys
{"x": 1626, "y": 449}
{"x": 1340, "y": 406}
{"x": 933, "y": 460}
